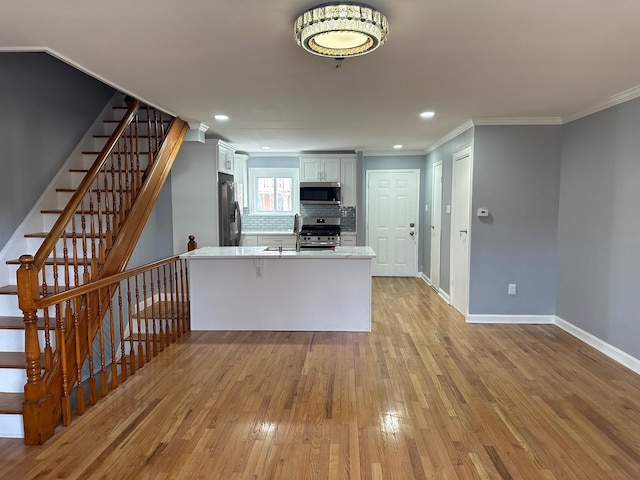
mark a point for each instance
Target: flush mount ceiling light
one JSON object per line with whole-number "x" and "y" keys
{"x": 341, "y": 30}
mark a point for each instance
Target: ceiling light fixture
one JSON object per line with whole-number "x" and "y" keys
{"x": 341, "y": 30}
{"x": 221, "y": 118}
{"x": 397, "y": 147}
{"x": 427, "y": 114}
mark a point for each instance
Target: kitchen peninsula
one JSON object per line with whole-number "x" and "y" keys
{"x": 257, "y": 288}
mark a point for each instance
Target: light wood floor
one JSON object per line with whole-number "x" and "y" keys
{"x": 423, "y": 396}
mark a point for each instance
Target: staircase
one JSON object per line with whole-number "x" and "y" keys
{"x": 83, "y": 250}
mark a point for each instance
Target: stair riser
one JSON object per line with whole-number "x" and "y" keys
{"x": 34, "y": 243}
{"x": 13, "y": 341}
{"x": 143, "y": 129}
{"x": 87, "y": 203}
{"x": 50, "y": 220}
{"x": 89, "y": 158}
{"x": 11, "y": 426}
{"x": 118, "y": 179}
{"x": 128, "y": 144}
{"x": 12, "y": 380}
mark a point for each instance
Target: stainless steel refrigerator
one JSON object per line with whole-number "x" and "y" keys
{"x": 229, "y": 212}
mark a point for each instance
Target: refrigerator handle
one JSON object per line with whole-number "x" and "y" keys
{"x": 238, "y": 216}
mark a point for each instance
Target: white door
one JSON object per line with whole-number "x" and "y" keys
{"x": 392, "y": 220}
{"x": 436, "y": 225}
{"x": 460, "y": 221}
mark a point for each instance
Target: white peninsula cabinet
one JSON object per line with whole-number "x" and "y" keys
{"x": 331, "y": 168}
{"x": 251, "y": 288}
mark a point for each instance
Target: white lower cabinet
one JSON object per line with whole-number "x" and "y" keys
{"x": 277, "y": 240}
{"x": 347, "y": 240}
{"x": 249, "y": 240}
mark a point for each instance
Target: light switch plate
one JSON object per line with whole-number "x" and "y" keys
{"x": 448, "y": 208}
{"x": 483, "y": 212}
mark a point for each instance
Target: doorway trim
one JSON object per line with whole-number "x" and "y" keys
{"x": 465, "y": 152}
{"x": 435, "y": 285}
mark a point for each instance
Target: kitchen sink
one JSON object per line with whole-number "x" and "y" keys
{"x": 279, "y": 249}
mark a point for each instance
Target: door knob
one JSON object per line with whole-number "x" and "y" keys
{"x": 412, "y": 233}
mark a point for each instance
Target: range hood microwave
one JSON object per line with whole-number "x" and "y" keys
{"x": 320, "y": 193}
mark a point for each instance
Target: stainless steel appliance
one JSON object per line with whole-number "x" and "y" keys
{"x": 320, "y": 193}
{"x": 319, "y": 233}
{"x": 230, "y": 220}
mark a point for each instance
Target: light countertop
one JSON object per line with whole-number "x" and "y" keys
{"x": 265, "y": 252}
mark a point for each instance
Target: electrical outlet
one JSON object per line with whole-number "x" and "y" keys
{"x": 512, "y": 289}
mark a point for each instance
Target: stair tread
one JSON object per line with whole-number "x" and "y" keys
{"x": 49, "y": 261}
{"x": 78, "y": 212}
{"x": 164, "y": 120}
{"x": 11, "y": 403}
{"x": 13, "y": 289}
{"x": 85, "y": 170}
{"x": 15, "y": 360}
{"x": 17, "y": 323}
{"x": 69, "y": 235}
{"x": 93, "y": 190}
{"x": 96, "y": 152}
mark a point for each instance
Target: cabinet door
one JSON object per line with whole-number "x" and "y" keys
{"x": 309, "y": 169}
{"x": 249, "y": 240}
{"x": 347, "y": 240}
{"x": 277, "y": 240}
{"x": 225, "y": 160}
{"x": 348, "y": 181}
{"x": 330, "y": 169}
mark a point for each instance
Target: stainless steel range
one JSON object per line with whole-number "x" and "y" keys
{"x": 320, "y": 232}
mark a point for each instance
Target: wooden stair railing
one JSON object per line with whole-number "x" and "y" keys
{"x": 92, "y": 239}
{"x": 146, "y": 309}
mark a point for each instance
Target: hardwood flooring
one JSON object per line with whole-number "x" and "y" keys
{"x": 425, "y": 395}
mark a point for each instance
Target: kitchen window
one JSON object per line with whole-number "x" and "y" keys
{"x": 273, "y": 191}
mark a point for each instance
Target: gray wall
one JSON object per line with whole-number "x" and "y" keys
{"x": 156, "y": 240}
{"x": 47, "y": 106}
{"x": 443, "y": 153}
{"x": 599, "y": 232}
{"x": 516, "y": 172}
{"x": 394, "y": 162}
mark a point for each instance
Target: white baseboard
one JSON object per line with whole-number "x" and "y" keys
{"x": 445, "y": 296}
{"x": 424, "y": 277}
{"x": 515, "y": 319}
{"x": 609, "y": 350}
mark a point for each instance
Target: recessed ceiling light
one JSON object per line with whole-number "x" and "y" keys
{"x": 266, "y": 148}
{"x": 397, "y": 147}
{"x": 221, "y": 118}
{"x": 427, "y": 114}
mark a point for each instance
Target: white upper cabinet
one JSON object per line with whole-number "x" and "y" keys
{"x": 319, "y": 169}
{"x": 338, "y": 168}
{"x": 348, "y": 181}
{"x": 225, "y": 156}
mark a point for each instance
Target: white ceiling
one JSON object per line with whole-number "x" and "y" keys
{"x": 547, "y": 60}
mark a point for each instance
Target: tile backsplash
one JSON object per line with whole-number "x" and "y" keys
{"x": 278, "y": 223}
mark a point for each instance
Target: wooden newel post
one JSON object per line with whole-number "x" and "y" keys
{"x": 37, "y": 428}
{"x": 192, "y": 244}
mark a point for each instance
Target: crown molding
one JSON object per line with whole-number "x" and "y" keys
{"x": 450, "y": 136}
{"x": 517, "y": 121}
{"x": 612, "y": 101}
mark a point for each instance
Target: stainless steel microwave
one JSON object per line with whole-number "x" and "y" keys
{"x": 323, "y": 193}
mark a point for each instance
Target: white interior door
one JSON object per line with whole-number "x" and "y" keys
{"x": 460, "y": 221}
{"x": 436, "y": 224}
{"x": 392, "y": 221}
